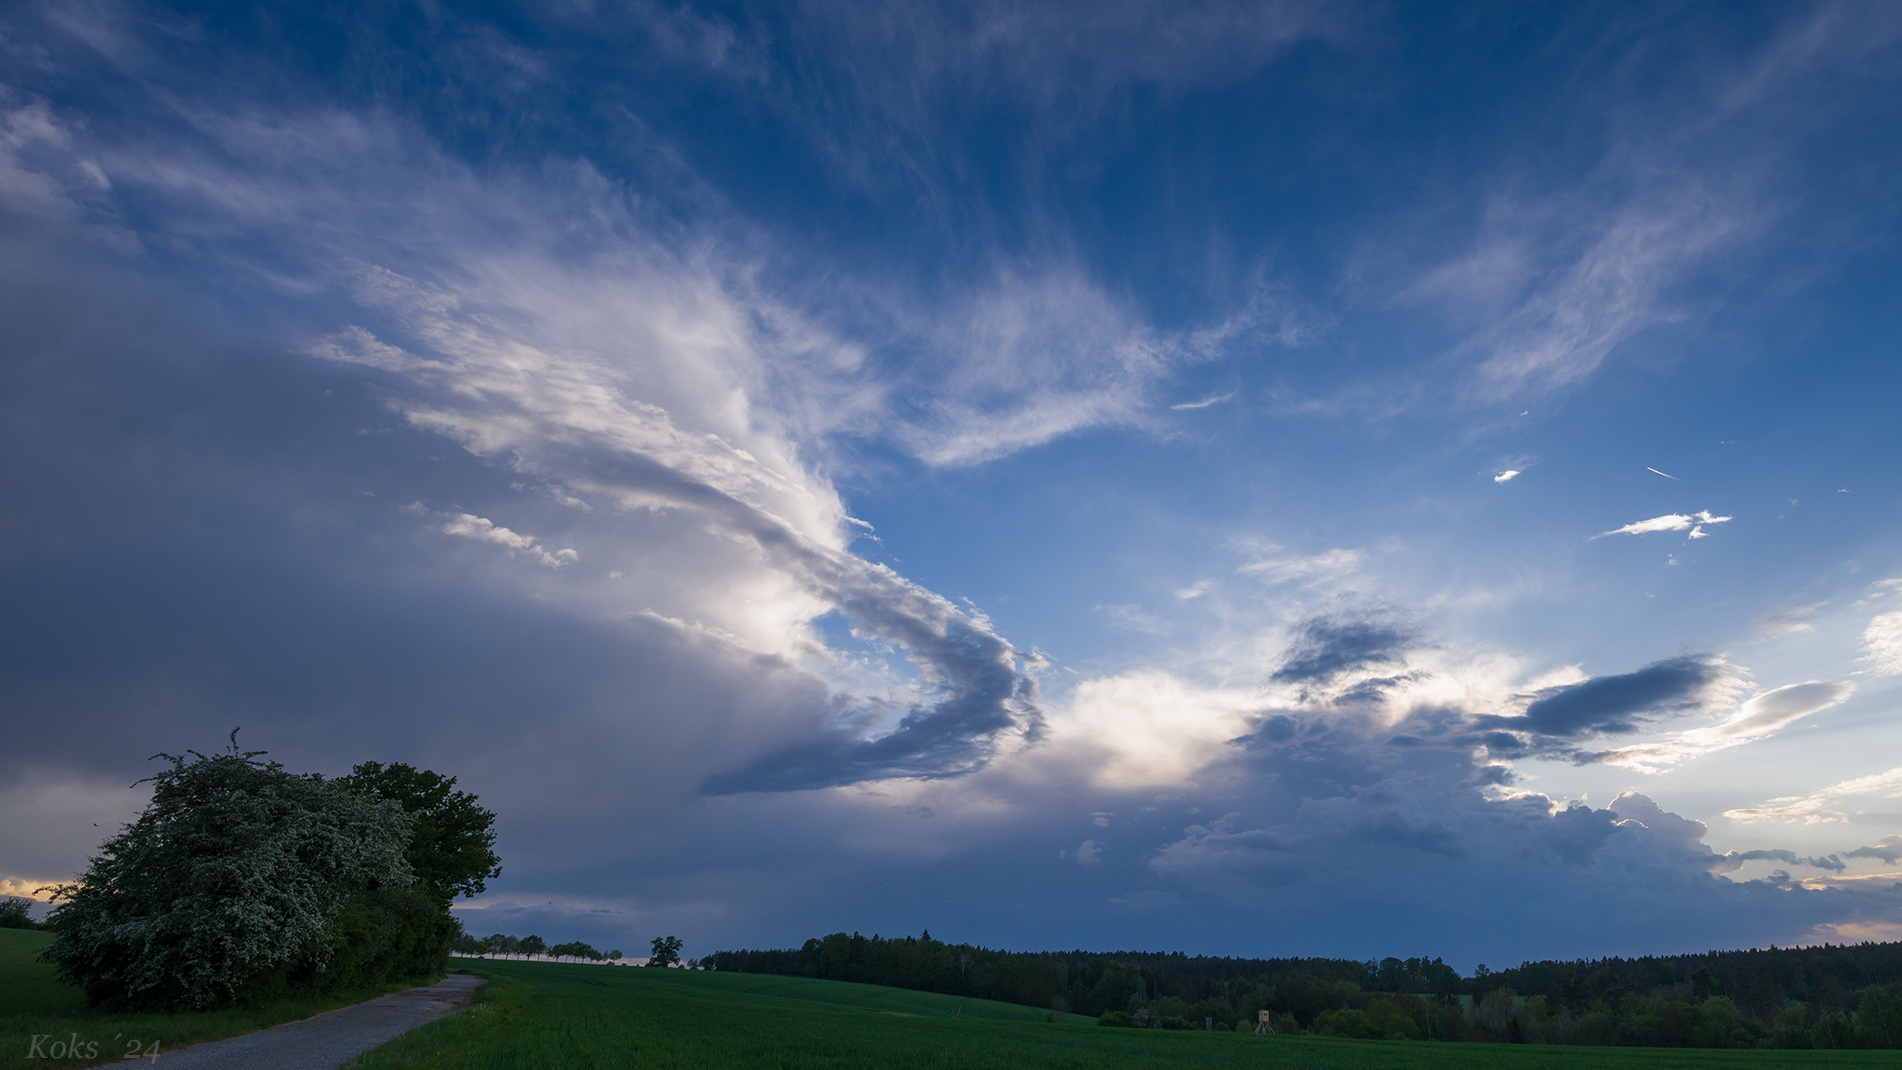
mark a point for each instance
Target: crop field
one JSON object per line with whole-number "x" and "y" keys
{"x": 34, "y": 1004}
{"x": 554, "y": 1016}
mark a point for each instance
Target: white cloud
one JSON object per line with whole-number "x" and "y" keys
{"x": 26, "y": 887}
{"x": 1669, "y": 522}
{"x": 354, "y": 345}
{"x": 1788, "y": 620}
{"x": 1314, "y": 570}
{"x": 1029, "y": 359}
{"x": 667, "y": 390}
{"x": 1507, "y": 476}
{"x": 1566, "y": 326}
{"x": 1088, "y": 852}
{"x": 1882, "y": 644}
{"x": 1204, "y": 403}
{"x": 1559, "y": 278}
{"x": 1132, "y": 617}
{"x": 1816, "y": 807}
{"x": 470, "y": 526}
{"x": 1759, "y": 718}
{"x": 1144, "y": 729}
{"x": 46, "y": 174}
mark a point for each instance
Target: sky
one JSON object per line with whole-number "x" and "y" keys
{"x": 1276, "y": 478}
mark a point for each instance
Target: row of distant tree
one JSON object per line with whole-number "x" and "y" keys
{"x": 1830, "y": 996}
{"x": 665, "y": 952}
{"x": 532, "y": 947}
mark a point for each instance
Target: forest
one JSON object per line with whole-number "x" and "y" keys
{"x": 1831, "y": 996}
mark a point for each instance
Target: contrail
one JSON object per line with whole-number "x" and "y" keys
{"x": 1666, "y": 475}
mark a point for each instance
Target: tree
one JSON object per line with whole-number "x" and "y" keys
{"x": 14, "y": 913}
{"x": 615, "y": 955}
{"x": 531, "y": 946}
{"x": 233, "y": 879}
{"x": 575, "y": 949}
{"x": 666, "y": 951}
{"x": 452, "y": 844}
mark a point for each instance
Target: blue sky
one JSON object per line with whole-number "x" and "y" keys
{"x": 1273, "y": 478}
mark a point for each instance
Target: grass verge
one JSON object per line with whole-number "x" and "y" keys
{"x": 553, "y": 1016}
{"x": 34, "y": 1004}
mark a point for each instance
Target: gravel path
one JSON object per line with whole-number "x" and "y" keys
{"x": 329, "y": 1040}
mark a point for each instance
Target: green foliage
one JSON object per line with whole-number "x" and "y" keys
{"x": 14, "y": 913}
{"x": 452, "y": 841}
{"x": 233, "y": 879}
{"x": 666, "y": 951}
{"x": 1793, "y": 999}
{"x": 383, "y": 935}
{"x": 242, "y": 881}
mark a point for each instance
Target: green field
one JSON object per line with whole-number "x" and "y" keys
{"x": 32, "y": 1002}
{"x": 552, "y": 1016}
{"x": 548, "y": 1015}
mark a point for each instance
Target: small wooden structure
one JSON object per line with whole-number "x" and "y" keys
{"x": 1265, "y": 1025}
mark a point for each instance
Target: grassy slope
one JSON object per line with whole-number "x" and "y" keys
{"x": 31, "y": 1001}
{"x": 554, "y": 1016}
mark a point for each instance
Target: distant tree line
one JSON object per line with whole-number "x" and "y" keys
{"x": 666, "y": 950}
{"x": 16, "y": 913}
{"x": 530, "y": 947}
{"x": 1817, "y": 997}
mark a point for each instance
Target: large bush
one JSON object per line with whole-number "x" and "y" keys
{"x": 239, "y": 877}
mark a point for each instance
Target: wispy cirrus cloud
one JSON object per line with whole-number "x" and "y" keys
{"x": 1819, "y": 806}
{"x": 1568, "y": 325}
{"x": 1327, "y": 569}
{"x": 1560, "y": 275}
{"x": 1213, "y": 399}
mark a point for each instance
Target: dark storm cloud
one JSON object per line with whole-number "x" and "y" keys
{"x": 1578, "y": 832}
{"x": 1829, "y": 862}
{"x": 1324, "y": 647}
{"x": 1888, "y": 849}
{"x": 1279, "y": 728}
{"x": 1618, "y": 704}
{"x": 202, "y": 530}
{"x": 1501, "y": 775}
{"x": 1324, "y": 806}
{"x": 951, "y": 738}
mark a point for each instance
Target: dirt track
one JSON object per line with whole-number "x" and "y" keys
{"x": 332, "y": 1039}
